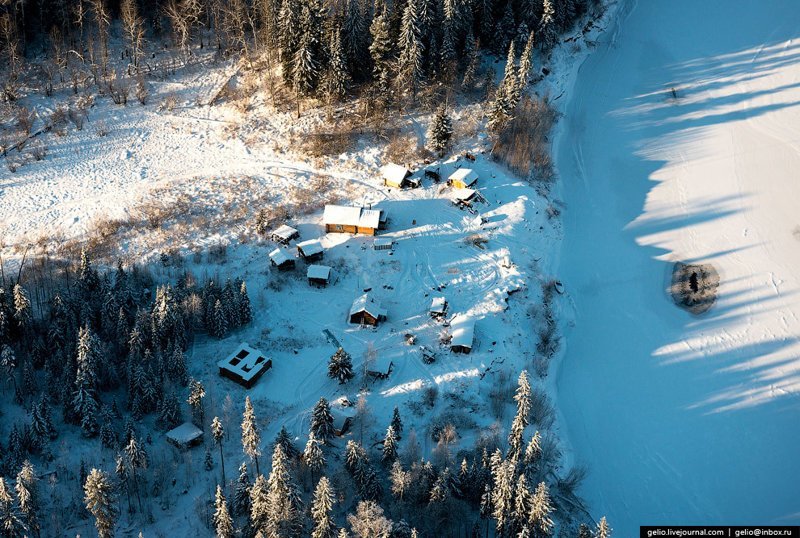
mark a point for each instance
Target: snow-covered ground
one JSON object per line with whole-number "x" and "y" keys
{"x": 685, "y": 419}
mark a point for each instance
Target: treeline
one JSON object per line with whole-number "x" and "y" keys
{"x": 323, "y": 47}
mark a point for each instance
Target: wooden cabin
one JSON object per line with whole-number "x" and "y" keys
{"x": 310, "y": 250}
{"x": 462, "y": 329}
{"x": 282, "y": 259}
{"x": 463, "y": 178}
{"x": 284, "y": 234}
{"x": 383, "y": 243}
{"x": 319, "y": 275}
{"x": 185, "y": 436}
{"x": 366, "y": 311}
{"x": 438, "y": 308}
{"x": 396, "y": 176}
{"x": 246, "y": 365}
{"x": 354, "y": 220}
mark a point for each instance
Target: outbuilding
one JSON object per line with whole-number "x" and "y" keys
{"x": 310, "y": 250}
{"x": 246, "y": 365}
{"x": 383, "y": 243}
{"x": 354, "y": 220}
{"x": 319, "y": 275}
{"x": 185, "y": 436}
{"x": 396, "y": 176}
{"x": 438, "y": 308}
{"x": 366, "y": 311}
{"x": 463, "y": 178}
{"x": 282, "y": 259}
{"x": 462, "y": 330}
{"x": 284, "y": 234}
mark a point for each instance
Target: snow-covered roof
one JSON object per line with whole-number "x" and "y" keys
{"x": 245, "y": 362}
{"x": 383, "y": 242}
{"x": 465, "y": 175}
{"x": 351, "y": 216}
{"x": 321, "y": 272}
{"x": 463, "y": 330}
{"x": 280, "y": 255}
{"x": 367, "y": 304}
{"x": 184, "y": 434}
{"x": 438, "y": 305}
{"x": 463, "y": 194}
{"x": 285, "y": 232}
{"x": 310, "y": 247}
{"x": 394, "y": 173}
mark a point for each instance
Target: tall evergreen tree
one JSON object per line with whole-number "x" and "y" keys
{"x": 411, "y": 48}
{"x": 218, "y": 433}
{"x": 541, "y": 507}
{"x": 322, "y": 421}
{"x": 259, "y": 506}
{"x": 381, "y": 49}
{"x": 313, "y": 457}
{"x": 547, "y": 31}
{"x": 389, "y": 446}
{"x": 603, "y": 529}
{"x": 28, "y": 497}
{"x": 340, "y": 366}
{"x": 100, "y": 502}
{"x": 440, "y": 132}
{"x": 10, "y": 521}
{"x": 251, "y": 436}
{"x": 223, "y": 522}
{"x": 241, "y": 493}
{"x": 397, "y": 422}
{"x": 84, "y": 400}
{"x": 245, "y": 310}
{"x": 321, "y": 510}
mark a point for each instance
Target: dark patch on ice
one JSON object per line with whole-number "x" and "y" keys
{"x": 694, "y": 287}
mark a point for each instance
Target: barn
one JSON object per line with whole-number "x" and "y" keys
{"x": 245, "y": 365}
{"x": 319, "y": 275}
{"x": 463, "y": 178}
{"x": 366, "y": 311}
{"x": 354, "y": 220}
{"x": 462, "y": 329}
{"x": 282, "y": 259}
{"x": 284, "y": 234}
{"x": 310, "y": 250}
{"x": 396, "y": 176}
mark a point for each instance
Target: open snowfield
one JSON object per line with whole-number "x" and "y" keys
{"x": 683, "y": 419}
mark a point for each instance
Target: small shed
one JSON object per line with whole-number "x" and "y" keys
{"x": 462, "y": 329}
{"x": 245, "y": 365}
{"x": 354, "y": 220}
{"x": 319, "y": 275}
{"x": 395, "y": 176}
{"x": 284, "y": 234}
{"x": 282, "y": 259}
{"x": 310, "y": 250}
{"x": 464, "y": 195}
{"x": 438, "y": 308}
{"x": 463, "y": 178}
{"x": 366, "y": 311}
{"x": 185, "y": 436}
{"x": 383, "y": 243}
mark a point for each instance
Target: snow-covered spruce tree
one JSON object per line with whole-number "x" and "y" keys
{"x": 503, "y": 497}
{"x": 28, "y": 497}
{"x": 285, "y": 510}
{"x": 100, "y": 502}
{"x": 259, "y": 506}
{"x": 219, "y": 321}
{"x": 223, "y": 522}
{"x": 399, "y": 480}
{"x": 251, "y": 436}
{"x": 23, "y": 314}
{"x": 322, "y": 421}
{"x": 84, "y": 400}
{"x": 306, "y": 62}
{"x": 524, "y": 71}
{"x": 283, "y": 439}
{"x": 533, "y": 454}
{"x": 197, "y": 392}
{"x": 603, "y": 529}
{"x": 547, "y": 31}
{"x": 473, "y": 58}
{"x": 397, "y": 423}
{"x": 410, "y": 67}
{"x": 369, "y": 521}
{"x": 509, "y": 81}
{"x": 289, "y": 36}
{"x": 10, "y": 521}
{"x": 336, "y": 77}
{"x": 340, "y": 366}
{"x": 584, "y": 531}
{"x": 218, "y": 434}
{"x": 440, "y": 132}
{"x": 313, "y": 458}
{"x": 354, "y": 39}
{"x": 245, "y": 311}
{"x": 522, "y": 503}
{"x": 389, "y": 454}
{"x": 169, "y": 412}
{"x": 241, "y": 493}
{"x": 381, "y": 50}
{"x": 136, "y": 459}
{"x": 321, "y": 510}
{"x": 540, "y": 520}
{"x": 501, "y": 108}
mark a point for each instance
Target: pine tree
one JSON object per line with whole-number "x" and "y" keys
{"x": 84, "y": 400}
{"x": 223, "y": 523}
{"x": 389, "y": 446}
{"x": 245, "y": 311}
{"x": 197, "y": 392}
{"x": 313, "y": 457}
{"x": 381, "y": 49}
{"x": 136, "y": 458}
{"x": 473, "y": 58}
{"x": 218, "y": 433}
{"x": 259, "y": 506}
{"x": 322, "y": 421}
{"x": 10, "y": 521}
{"x": 397, "y": 423}
{"x": 584, "y": 531}
{"x": 503, "y": 496}
{"x": 251, "y": 436}
{"x": 399, "y": 480}
{"x": 603, "y": 529}
{"x": 283, "y": 439}
{"x": 336, "y": 76}
{"x": 241, "y": 494}
{"x": 99, "y": 498}
{"x": 522, "y": 502}
{"x": 524, "y": 72}
{"x": 541, "y": 507}
{"x": 547, "y": 31}
{"x": 22, "y": 309}
{"x": 305, "y": 63}
{"x": 321, "y": 508}
{"x": 285, "y": 507}
{"x": 354, "y": 42}
{"x": 340, "y": 366}
{"x": 533, "y": 453}
{"x": 411, "y": 48}
{"x": 208, "y": 461}
{"x": 440, "y": 132}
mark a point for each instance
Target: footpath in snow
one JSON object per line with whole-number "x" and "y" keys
{"x": 682, "y": 419}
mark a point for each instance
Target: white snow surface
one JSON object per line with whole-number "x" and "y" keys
{"x": 684, "y": 419}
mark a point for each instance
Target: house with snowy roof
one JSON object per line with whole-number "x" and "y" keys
{"x": 284, "y": 234}
{"x": 354, "y": 220}
{"x": 319, "y": 275}
{"x": 310, "y": 250}
{"x": 463, "y": 178}
{"x": 366, "y": 311}
{"x": 398, "y": 176}
{"x": 245, "y": 365}
{"x": 282, "y": 258}
{"x": 462, "y": 330}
